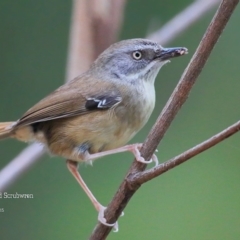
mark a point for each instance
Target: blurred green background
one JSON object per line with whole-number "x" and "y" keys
{"x": 197, "y": 200}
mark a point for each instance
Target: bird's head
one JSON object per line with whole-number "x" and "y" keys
{"x": 135, "y": 59}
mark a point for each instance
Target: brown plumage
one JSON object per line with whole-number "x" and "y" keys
{"x": 98, "y": 112}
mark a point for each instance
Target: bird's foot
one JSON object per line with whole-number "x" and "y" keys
{"x": 103, "y": 220}
{"x": 134, "y": 148}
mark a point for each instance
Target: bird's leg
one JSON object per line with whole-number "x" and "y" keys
{"x": 134, "y": 148}
{"x": 73, "y": 168}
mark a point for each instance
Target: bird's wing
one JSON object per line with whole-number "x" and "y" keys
{"x": 80, "y": 96}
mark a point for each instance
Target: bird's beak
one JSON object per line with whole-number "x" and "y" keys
{"x": 167, "y": 53}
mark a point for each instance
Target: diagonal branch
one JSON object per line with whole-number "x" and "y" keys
{"x": 80, "y": 49}
{"x": 142, "y": 177}
{"x": 177, "y": 99}
{"x": 182, "y": 21}
{"x": 20, "y": 164}
{"x": 95, "y": 25}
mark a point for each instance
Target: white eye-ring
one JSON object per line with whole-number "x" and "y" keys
{"x": 137, "y": 55}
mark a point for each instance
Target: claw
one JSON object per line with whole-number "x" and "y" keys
{"x": 139, "y": 158}
{"x": 90, "y": 162}
{"x": 155, "y": 159}
{"x": 115, "y": 227}
{"x": 103, "y": 220}
{"x": 142, "y": 160}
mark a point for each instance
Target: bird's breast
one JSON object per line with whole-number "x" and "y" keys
{"x": 136, "y": 108}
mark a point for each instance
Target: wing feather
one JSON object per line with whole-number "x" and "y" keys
{"x": 72, "y": 99}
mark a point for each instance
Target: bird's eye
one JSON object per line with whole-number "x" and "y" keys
{"x": 137, "y": 55}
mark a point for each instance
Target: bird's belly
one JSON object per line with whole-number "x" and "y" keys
{"x": 95, "y": 133}
{"x": 115, "y": 135}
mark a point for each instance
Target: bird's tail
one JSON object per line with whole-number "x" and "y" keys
{"x": 5, "y": 129}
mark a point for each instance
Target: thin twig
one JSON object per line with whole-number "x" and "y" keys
{"x": 20, "y": 164}
{"x": 73, "y": 70}
{"x": 179, "y": 96}
{"x": 142, "y": 177}
{"x": 182, "y": 21}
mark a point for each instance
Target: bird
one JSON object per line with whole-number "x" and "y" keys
{"x": 99, "y": 111}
